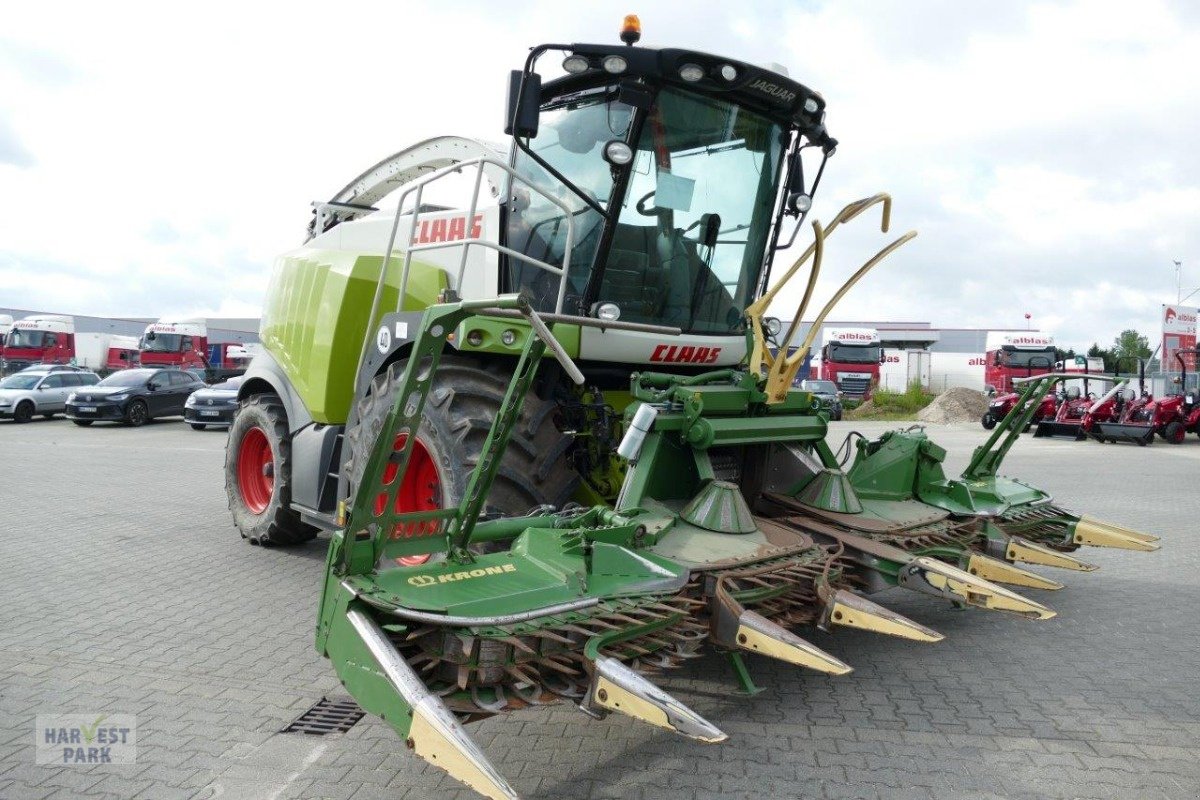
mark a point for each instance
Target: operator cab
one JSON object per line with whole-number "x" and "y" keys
{"x": 669, "y": 164}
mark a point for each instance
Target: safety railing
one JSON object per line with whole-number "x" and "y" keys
{"x": 415, "y": 191}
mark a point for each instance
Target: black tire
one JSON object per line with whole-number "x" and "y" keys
{"x": 83, "y": 423}
{"x": 23, "y": 412}
{"x": 196, "y": 426}
{"x": 277, "y": 524}
{"x": 988, "y": 421}
{"x": 1174, "y": 433}
{"x": 462, "y": 403}
{"x": 137, "y": 414}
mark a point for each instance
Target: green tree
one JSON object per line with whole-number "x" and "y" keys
{"x": 1096, "y": 351}
{"x": 1128, "y": 347}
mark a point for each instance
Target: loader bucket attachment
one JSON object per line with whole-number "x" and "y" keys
{"x": 1098, "y": 533}
{"x": 616, "y": 687}
{"x": 1025, "y": 552}
{"x": 855, "y": 611}
{"x": 1058, "y": 430}
{"x": 940, "y": 579}
{"x": 993, "y": 569}
{"x": 1122, "y": 432}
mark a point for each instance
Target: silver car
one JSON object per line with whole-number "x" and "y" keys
{"x": 40, "y": 391}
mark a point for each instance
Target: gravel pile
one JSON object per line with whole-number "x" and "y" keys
{"x": 955, "y": 405}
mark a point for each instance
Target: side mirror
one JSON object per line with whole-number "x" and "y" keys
{"x": 524, "y": 102}
{"x": 152, "y": 386}
{"x": 996, "y": 360}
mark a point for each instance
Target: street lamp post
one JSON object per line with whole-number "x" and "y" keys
{"x": 1178, "y": 282}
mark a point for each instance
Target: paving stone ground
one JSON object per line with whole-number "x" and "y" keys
{"x": 126, "y": 590}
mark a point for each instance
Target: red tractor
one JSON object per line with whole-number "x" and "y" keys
{"x": 999, "y": 404}
{"x": 1073, "y": 407}
{"x": 1138, "y": 416}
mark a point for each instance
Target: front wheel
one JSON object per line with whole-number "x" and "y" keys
{"x": 258, "y": 474}
{"x": 1174, "y": 432}
{"x": 137, "y": 414}
{"x": 988, "y": 421}
{"x": 23, "y": 412}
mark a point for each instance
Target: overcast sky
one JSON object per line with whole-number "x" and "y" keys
{"x": 154, "y": 158}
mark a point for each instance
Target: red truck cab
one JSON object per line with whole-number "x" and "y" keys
{"x": 850, "y": 358}
{"x": 39, "y": 339}
{"x": 182, "y": 343}
{"x": 1016, "y": 355}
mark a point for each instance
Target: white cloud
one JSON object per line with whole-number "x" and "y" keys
{"x": 1046, "y": 151}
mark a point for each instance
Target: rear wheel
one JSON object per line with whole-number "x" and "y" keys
{"x": 23, "y": 412}
{"x": 1174, "y": 432}
{"x": 137, "y": 414}
{"x": 462, "y": 403}
{"x": 258, "y": 471}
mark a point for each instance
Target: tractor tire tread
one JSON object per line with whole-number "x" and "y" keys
{"x": 457, "y": 417}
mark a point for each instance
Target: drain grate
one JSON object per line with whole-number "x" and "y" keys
{"x": 329, "y": 715}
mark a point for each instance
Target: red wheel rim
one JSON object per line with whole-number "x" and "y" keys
{"x": 421, "y": 490}
{"x": 256, "y": 470}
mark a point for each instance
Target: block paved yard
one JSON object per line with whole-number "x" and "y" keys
{"x": 127, "y": 591}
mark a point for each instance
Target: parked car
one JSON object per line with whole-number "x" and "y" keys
{"x": 40, "y": 391}
{"x": 212, "y": 405}
{"x": 133, "y": 396}
{"x": 829, "y": 395}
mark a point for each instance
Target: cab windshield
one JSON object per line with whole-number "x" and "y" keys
{"x": 688, "y": 247}
{"x": 1028, "y": 358}
{"x": 26, "y": 338}
{"x": 571, "y": 134}
{"x": 854, "y": 353}
{"x": 693, "y": 224}
{"x": 162, "y": 343}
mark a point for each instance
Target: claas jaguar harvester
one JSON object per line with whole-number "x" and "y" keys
{"x": 549, "y": 431}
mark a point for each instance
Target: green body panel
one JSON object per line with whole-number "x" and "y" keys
{"x": 541, "y": 568}
{"x": 902, "y": 465}
{"x": 315, "y": 319}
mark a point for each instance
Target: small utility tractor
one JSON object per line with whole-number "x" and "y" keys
{"x": 1073, "y": 407}
{"x": 1135, "y": 416}
{"x": 523, "y": 512}
{"x": 1189, "y": 401}
{"x": 999, "y": 405}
